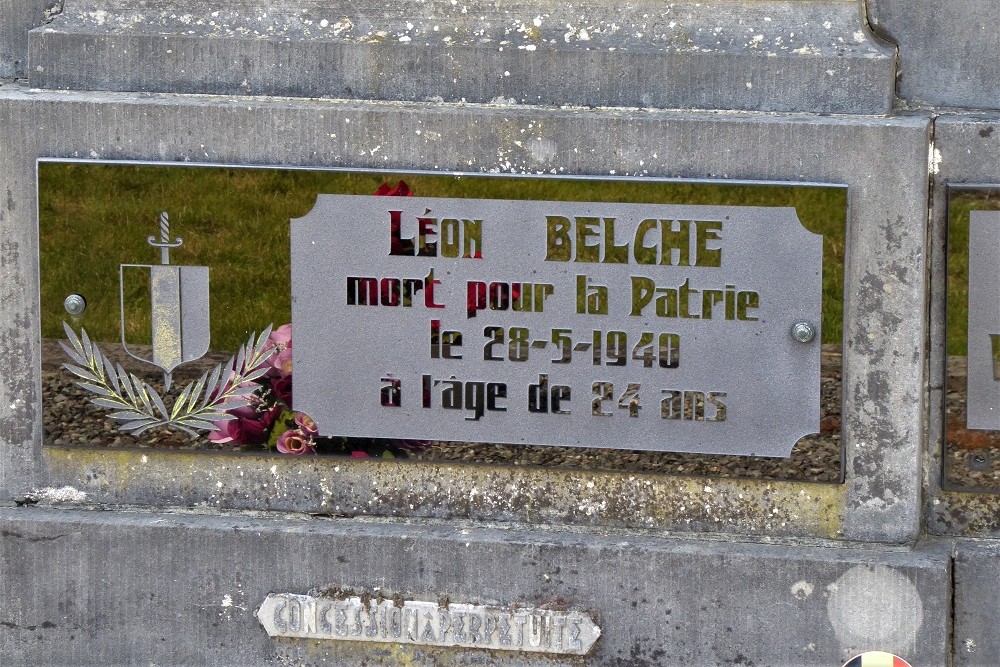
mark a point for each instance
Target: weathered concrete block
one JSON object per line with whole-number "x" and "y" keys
{"x": 17, "y": 17}
{"x": 180, "y": 589}
{"x": 966, "y": 150}
{"x": 977, "y": 605}
{"x": 763, "y": 56}
{"x": 949, "y": 52}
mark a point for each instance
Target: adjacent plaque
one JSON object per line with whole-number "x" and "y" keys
{"x": 615, "y": 325}
{"x": 983, "y": 398}
{"x": 972, "y": 397}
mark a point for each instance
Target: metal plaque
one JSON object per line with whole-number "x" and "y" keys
{"x": 631, "y": 326}
{"x": 983, "y": 401}
{"x": 179, "y": 306}
{"x": 526, "y": 629}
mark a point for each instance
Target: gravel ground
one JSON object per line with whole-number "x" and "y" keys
{"x": 71, "y": 420}
{"x": 972, "y": 459}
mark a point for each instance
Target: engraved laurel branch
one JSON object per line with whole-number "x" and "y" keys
{"x": 139, "y": 407}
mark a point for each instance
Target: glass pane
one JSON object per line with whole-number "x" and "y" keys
{"x": 109, "y": 237}
{"x": 972, "y": 428}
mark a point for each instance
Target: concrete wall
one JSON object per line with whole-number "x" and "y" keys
{"x": 724, "y": 54}
{"x": 884, "y": 323}
{"x": 17, "y": 17}
{"x": 948, "y": 51}
{"x": 676, "y": 570}
{"x": 137, "y": 587}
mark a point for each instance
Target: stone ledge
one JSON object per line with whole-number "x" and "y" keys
{"x": 86, "y": 587}
{"x": 977, "y": 606}
{"x": 766, "y": 56}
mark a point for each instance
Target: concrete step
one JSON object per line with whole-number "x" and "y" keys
{"x": 726, "y": 54}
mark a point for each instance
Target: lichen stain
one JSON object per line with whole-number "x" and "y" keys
{"x": 18, "y": 423}
{"x": 802, "y": 589}
{"x": 966, "y": 513}
{"x": 441, "y": 491}
{"x": 296, "y": 652}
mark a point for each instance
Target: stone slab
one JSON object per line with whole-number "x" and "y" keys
{"x": 103, "y": 588}
{"x": 883, "y": 162}
{"x": 977, "y": 605}
{"x": 762, "y": 56}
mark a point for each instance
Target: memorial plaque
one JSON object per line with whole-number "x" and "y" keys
{"x": 352, "y": 618}
{"x": 629, "y": 326}
{"x": 602, "y": 323}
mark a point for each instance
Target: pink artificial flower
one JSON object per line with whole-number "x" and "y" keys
{"x": 220, "y": 436}
{"x": 282, "y": 388}
{"x": 245, "y": 412}
{"x": 295, "y": 442}
{"x": 222, "y": 433}
{"x": 240, "y": 432}
{"x": 306, "y": 424}
{"x": 250, "y": 431}
{"x": 272, "y": 415}
{"x": 282, "y": 336}
{"x": 400, "y": 190}
{"x": 249, "y": 428}
{"x": 280, "y": 361}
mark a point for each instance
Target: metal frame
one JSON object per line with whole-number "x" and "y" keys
{"x": 967, "y": 157}
{"x": 944, "y": 483}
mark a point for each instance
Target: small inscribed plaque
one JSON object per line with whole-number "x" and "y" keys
{"x": 428, "y": 624}
{"x": 632, "y": 326}
{"x": 983, "y": 402}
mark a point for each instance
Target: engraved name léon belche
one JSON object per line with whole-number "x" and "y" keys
{"x": 642, "y": 326}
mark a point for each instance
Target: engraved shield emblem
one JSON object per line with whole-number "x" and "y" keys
{"x": 179, "y": 307}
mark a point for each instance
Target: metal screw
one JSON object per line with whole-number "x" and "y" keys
{"x": 979, "y": 461}
{"x": 75, "y": 304}
{"x": 803, "y": 332}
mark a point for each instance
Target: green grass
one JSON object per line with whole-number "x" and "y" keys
{"x": 93, "y": 217}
